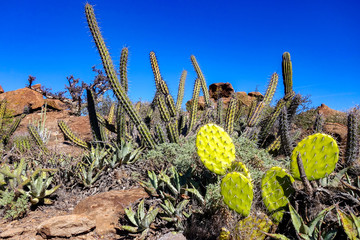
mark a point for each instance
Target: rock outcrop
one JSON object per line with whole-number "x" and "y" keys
{"x": 22, "y": 100}
{"x": 226, "y": 91}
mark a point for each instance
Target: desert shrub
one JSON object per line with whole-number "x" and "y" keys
{"x": 14, "y": 206}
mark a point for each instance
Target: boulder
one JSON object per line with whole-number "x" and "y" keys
{"x": 337, "y": 130}
{"x": 22, "y": 99}
{"x": 36, "y": 87}
{"x": 106, "y": 208}
{"x": 220, "y": 90}
{"x": 1, "y": 89}
{"x": 257, "y": 95}
{"x": 172, "y": 236}
{"x": 56, "y": 104}
{"x": 65, "y": 226}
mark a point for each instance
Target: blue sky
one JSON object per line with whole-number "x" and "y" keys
{"x": 240, "y": 42}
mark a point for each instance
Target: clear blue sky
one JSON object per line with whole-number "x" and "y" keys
{"x": 240, "y": 42}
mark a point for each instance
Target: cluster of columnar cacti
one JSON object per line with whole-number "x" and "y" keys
{"x": 217, "y": 152}
{"x": 318, "y": 154}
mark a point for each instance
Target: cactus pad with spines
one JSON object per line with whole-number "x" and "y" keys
{"x": 276, "y": 188}
{"x": 253, "y": 227}
{"x": 319, "y": 153}
{"x": 237, "y": 191}
{"x": 215, "y": 148}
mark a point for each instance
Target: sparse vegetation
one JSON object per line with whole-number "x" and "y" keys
{"x": 247, "y": 177}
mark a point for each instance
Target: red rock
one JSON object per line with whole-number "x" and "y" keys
{"x": 220, "y": 90}
{"x": 337, "y": 130}
{"x": 328, "y": 112}
{"x": 36, "y": 86}
{"x": 65, "y": 226}
{"x": 1, "y": 89}
{"x": 106, "y": 208}
{"x": 22, "y": 98}
{"x": 257, "y": 95}
{"x": 56, "y": 104}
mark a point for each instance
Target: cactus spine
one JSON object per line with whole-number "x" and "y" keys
{"x": 181, "y": 90}
{"x": 113, "y": 80}
{"x": 202, "y": 80}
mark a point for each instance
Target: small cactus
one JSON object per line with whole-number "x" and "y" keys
{"x": 237, "y": 191}
{"x": 276, "y": 186}
{"x": 319, "y": 153}
{"x": 215, "y": 148}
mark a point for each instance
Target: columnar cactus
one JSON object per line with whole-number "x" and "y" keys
{"x": 276, "y": 188}
{"x": 181, "y": 90}
{"x": 113, "y": 79}
{"x": 352, "y": 148}
{"x": 194, "y": 105}
{"x": 319, "y": 153}
{"x": 230, "y": 115}
{"x": 71, "y": 136}
{"x": 202, "y": 80}
{"x": 287, "y": 74}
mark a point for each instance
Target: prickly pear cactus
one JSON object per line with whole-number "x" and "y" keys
{"x": 319, "y": 153}
{"x": 276, "y": 188}
{"x": 252, "y": 227}
{"x": 238, "y": 166}
{"x": 237, "y": 191}
{"x": 215, "y": 148}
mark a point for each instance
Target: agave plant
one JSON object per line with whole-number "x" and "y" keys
{"x": 123, "y": 154}
{"x": 140, "y": 219}
{"x": 38, "y": 187}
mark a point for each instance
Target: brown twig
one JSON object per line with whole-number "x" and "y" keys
{"x": 308, "y": 188}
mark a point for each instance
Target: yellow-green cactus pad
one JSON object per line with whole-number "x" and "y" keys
{"x": 237, "y": 191}
{"x": 276, "y": 188}
{"x": 238, "y": 166}
{"x": 215, "y": 148}
{"x": 253, "y": 227}
{"x": 319, "y": 153}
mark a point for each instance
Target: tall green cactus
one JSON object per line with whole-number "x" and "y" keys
{"x": 2, "y": 112}
{"x": 230, "y": 115}
{"x": 181, "y": 90}
{"x": 71, "y": 136}
{"x": 123, "y": 69}
{"x": 5, "y": 138}
{"x": 286, "y": 141}
{"x": 194, "y": 105}
{"x": 93, "y": 116}
{"x": 113, "y": 79}
{"x": 219, "y": 111}
{"x": 202, "y": 80}
{"x": 287, "y": 75}
{"x": 352, "y": 148}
